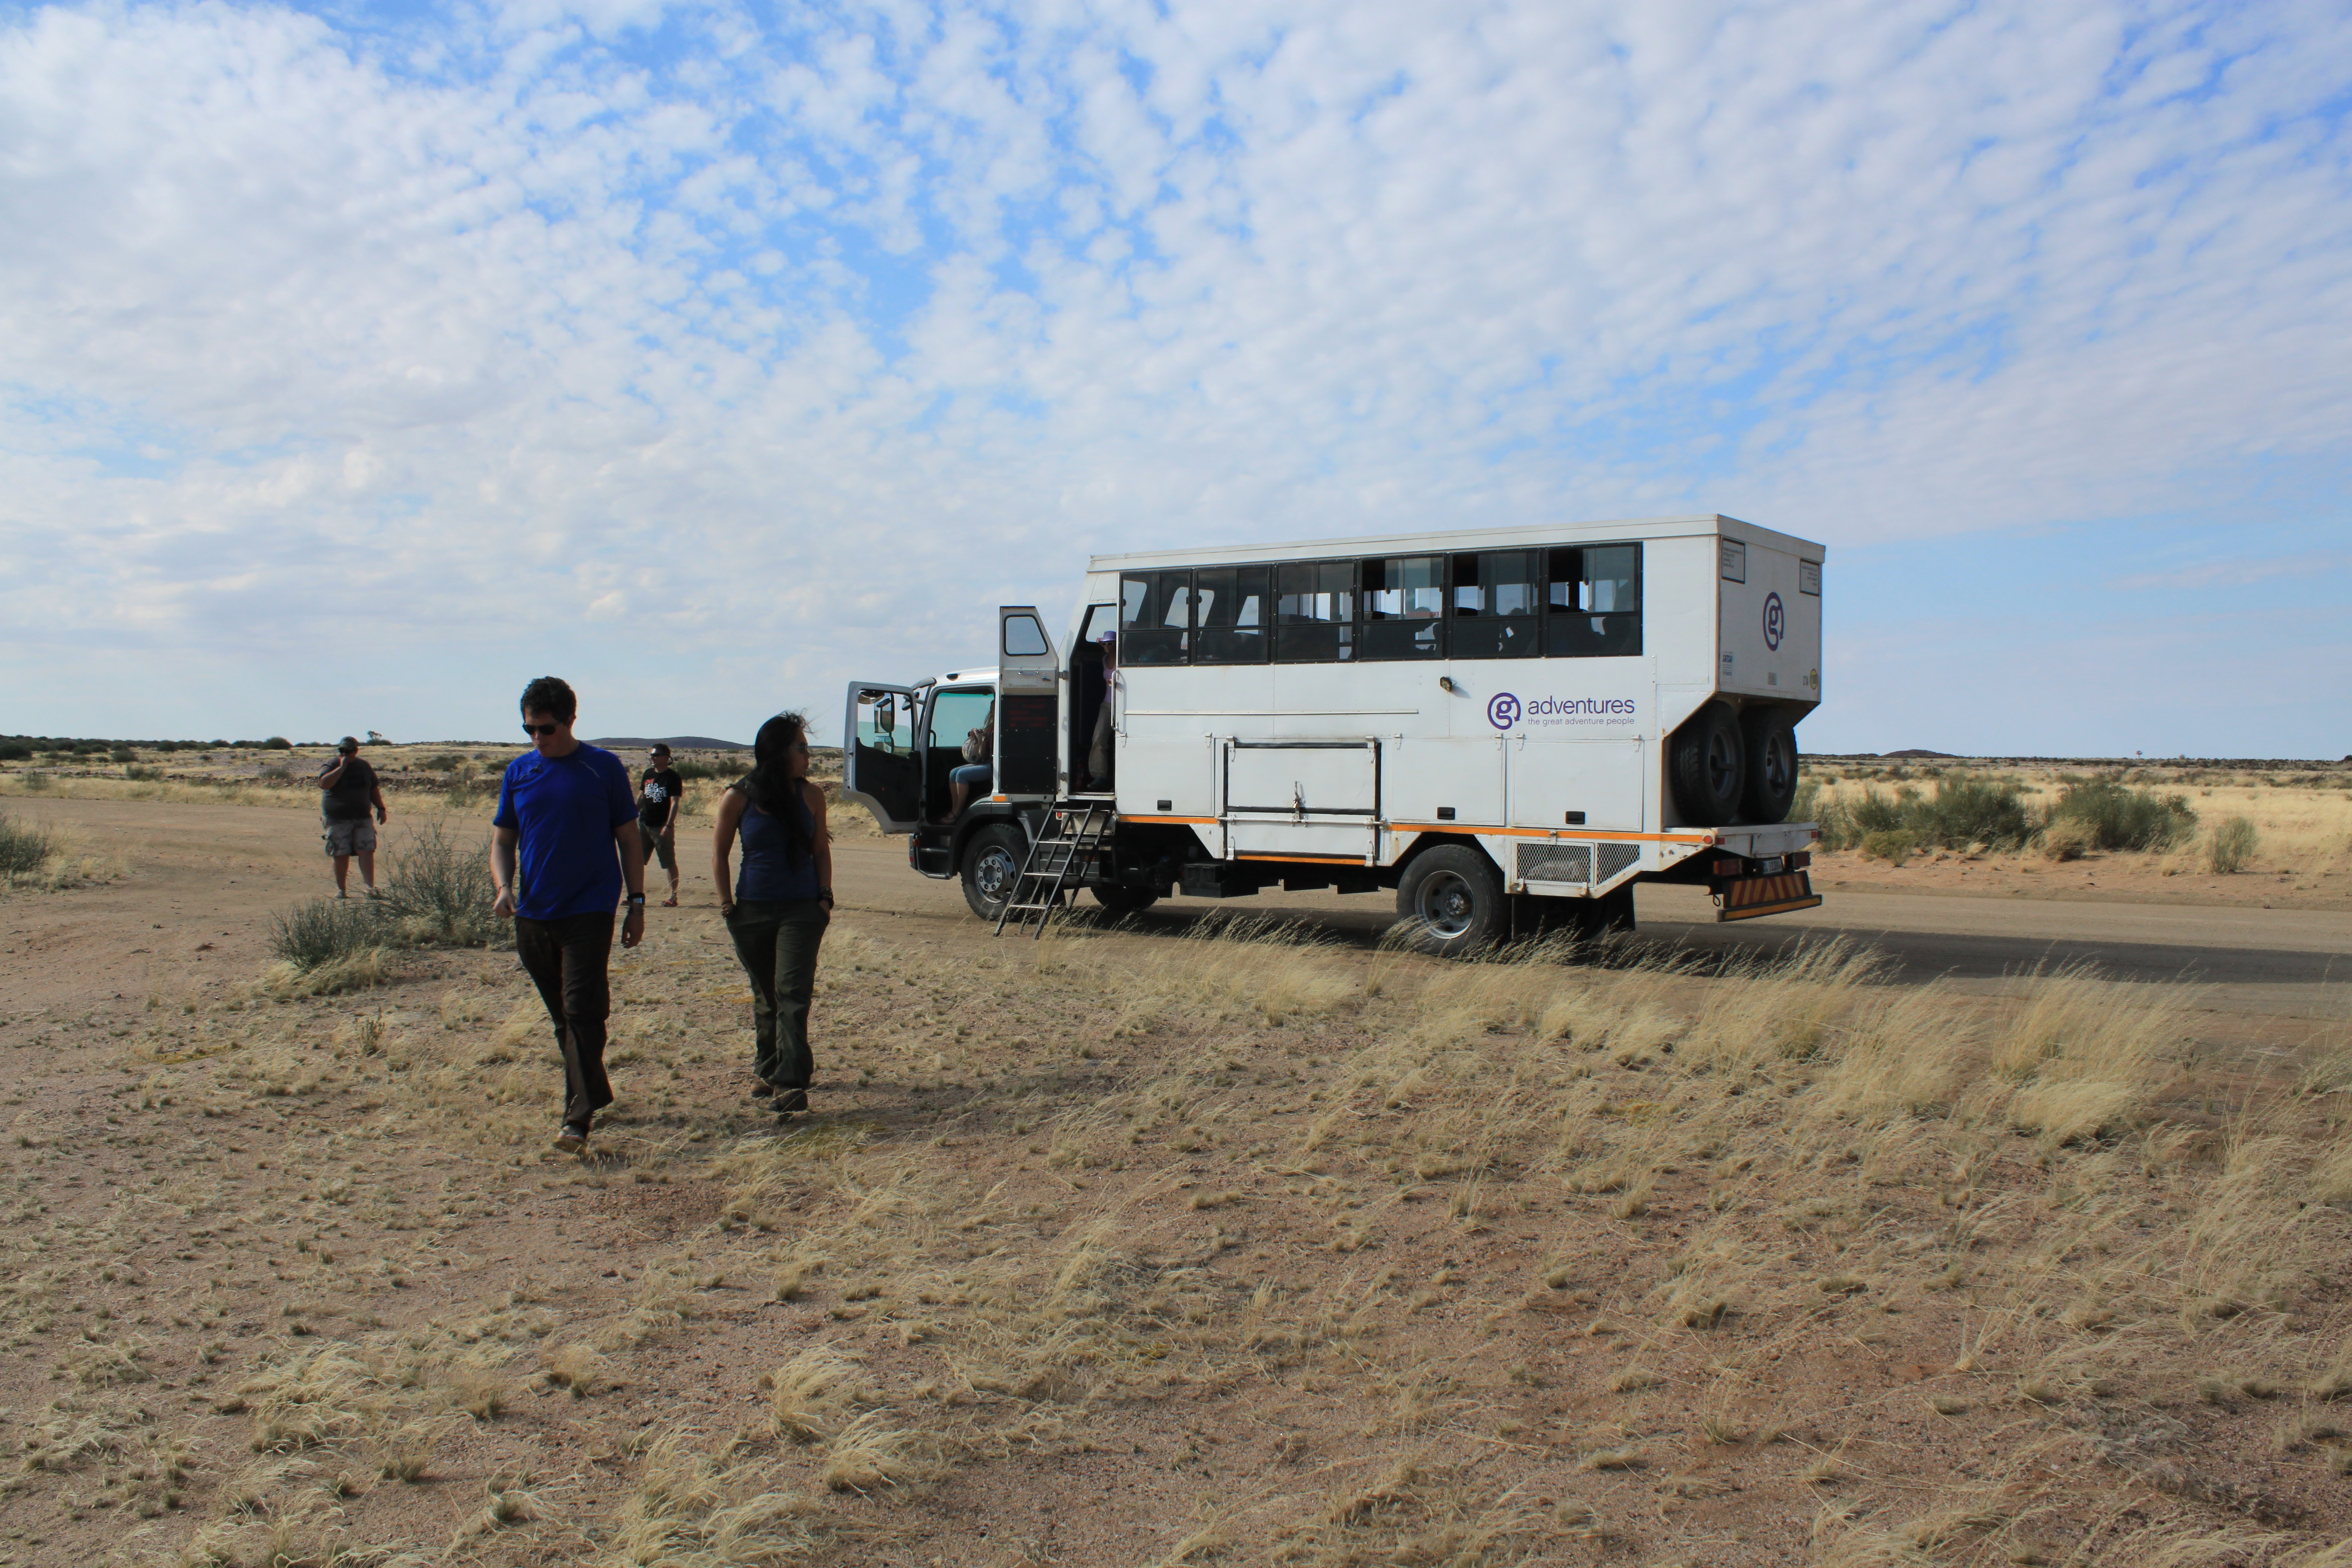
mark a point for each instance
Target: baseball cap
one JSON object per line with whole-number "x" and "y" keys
{"x": 658, "y": 750}
{"x": 347, "y": 744}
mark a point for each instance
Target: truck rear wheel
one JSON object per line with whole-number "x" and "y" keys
{"x": 1770, "y": 741}
{"x": 992, "y": 864}
{"x": 1707, "y": 766}
{"x": 1451, "y": 901}
{"x": 1121, "y": 900}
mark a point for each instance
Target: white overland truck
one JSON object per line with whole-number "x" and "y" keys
{"x": 1509, "y": 727}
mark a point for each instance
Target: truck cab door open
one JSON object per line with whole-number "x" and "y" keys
{"x": 1028, "y": 694}
{"x": 881, "y": 757}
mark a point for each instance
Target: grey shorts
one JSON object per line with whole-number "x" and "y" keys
{"x": 658, "y": 848}
{"x": 349, "y": 837}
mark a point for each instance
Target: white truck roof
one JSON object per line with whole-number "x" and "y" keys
{"x": 1460, "y": 539}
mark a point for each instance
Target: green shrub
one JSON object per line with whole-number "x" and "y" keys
{"x": 2233, "y": 844}
{"x": 439, "y": 884}
{"x": 689, "y": 772}
{"x": 2121, "y": 818}
{"x": 326, "y": 931}
{"x": 142, "y": 770}
{"x": 1960, "y": 812}
{"x": 15, "y": 752}
{"x": 24, "y": 847}
{"x": 278, "y": 743}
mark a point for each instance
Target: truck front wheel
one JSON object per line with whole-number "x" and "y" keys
{"x": 1450, "y": 901}
{"x": 992, "y": 864}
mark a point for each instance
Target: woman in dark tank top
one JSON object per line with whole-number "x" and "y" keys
{"x": 778, "y": 908}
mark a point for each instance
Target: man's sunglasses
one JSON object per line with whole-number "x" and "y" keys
{"x": 540, "y": 728}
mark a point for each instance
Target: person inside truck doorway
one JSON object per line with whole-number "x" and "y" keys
{"x": 1099, "y": 753}
{"x": 976, "y": 777}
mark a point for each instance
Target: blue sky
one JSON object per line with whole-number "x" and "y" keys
{"x": 359, "y": 362}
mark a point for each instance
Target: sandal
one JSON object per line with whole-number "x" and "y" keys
{"x": 670, "y": 903}
{"x": 571, "y": 1139}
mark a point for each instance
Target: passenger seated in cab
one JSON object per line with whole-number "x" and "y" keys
{"x": 976, "y": 777}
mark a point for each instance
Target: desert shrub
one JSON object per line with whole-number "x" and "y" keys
{"x": 1892, "y": 845}
{"x": 278, "y": 743}
{"x": 121, "y": 754}
{"x": 1957, "y": 812}
{"x": 2069, "y": 838}
{"x": 443, "y": 762}
{"x": 2233, "y": 844}
{"x": 15, "y": 752}
{"x": 689, "y": 772}
{"x": 2125, "y": 819}
{"x": 24, "y": 847}
{"x": 326, "y": 931}
{"x": 440, "y": 883}
{"x": 142, "y": 770}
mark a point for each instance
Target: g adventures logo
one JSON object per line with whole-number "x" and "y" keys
{"x": 1505, "y": 709}
{"x": 1775, "y": 621}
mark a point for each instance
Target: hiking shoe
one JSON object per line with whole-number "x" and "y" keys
{"x": 761, "y": 1090}
{"x": 571, "y": 1139}
{"x": 791, "y": 1099}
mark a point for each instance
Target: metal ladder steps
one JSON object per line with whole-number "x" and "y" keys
{"x": 1068, "y": 840}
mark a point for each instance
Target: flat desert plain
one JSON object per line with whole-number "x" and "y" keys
{"x": 1192, "y": 1239}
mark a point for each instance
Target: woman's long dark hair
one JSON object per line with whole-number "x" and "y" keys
{"x": 771, "y": 786}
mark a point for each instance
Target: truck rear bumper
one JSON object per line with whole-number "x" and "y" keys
{"x": 1746, "y": 898}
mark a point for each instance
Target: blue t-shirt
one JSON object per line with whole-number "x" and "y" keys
{"x": 566, "y": 808}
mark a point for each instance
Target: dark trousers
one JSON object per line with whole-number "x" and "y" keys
{"x": 566, "y": 959}
{"x": 777, "y": 942}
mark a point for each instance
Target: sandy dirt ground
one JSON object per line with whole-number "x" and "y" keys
{"x": 1171, "y": 1242}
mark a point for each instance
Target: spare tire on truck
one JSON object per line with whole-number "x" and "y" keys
{"x": 1769, "y": 747}
{"x": 1706, "y": 766}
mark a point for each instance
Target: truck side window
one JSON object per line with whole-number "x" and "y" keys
{"x": 1404, "y": 604}
{"x": 1592, "y": 606}
{"x": 1495, "y": 605}
{"x": 1316, "y": 613}
{"x": 1229, "y": 602}
{"x": 954, "y": 715}
{"x": 1155, "y": 617}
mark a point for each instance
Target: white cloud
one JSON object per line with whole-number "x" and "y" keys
{"x": 801, "y": 347}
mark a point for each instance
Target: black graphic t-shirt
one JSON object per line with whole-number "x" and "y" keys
{"x": 658, "y": 797}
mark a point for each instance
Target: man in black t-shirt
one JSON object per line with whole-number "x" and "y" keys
{"x": 661, "y": 795}
{"x": 348, "y": 792}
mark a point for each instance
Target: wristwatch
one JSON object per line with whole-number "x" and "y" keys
{"x": 636, "y": 898}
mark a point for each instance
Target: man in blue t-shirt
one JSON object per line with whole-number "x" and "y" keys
{"x": 566, "y": 843}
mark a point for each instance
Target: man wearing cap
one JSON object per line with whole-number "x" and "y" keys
{"x": 661, "y": 797}
{"x": 348, "y": 792}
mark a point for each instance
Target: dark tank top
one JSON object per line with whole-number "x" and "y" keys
{"x": 768, "y": 874}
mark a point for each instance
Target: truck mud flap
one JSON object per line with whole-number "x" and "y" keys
{"x": 1744, "y": 897}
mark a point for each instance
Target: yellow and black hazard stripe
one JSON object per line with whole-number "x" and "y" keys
{"x": 1744, "y": 897}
